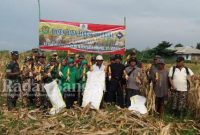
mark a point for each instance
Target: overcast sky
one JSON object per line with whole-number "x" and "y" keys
{"x": 148, "y": 21}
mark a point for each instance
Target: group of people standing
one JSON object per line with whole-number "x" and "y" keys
{"x": 123, "y": 79}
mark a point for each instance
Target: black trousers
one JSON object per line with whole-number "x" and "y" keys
{"x": 115, "y": 93}
{"x": 69, "y": 98}
{"x": 160, "y": 105}
{"x": 129, "y": 94}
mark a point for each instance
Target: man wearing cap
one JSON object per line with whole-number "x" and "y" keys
{"x": 26, "y": 76}
{"x": 153, "y": 68}
{"x": 69, "y": 85}
{"x": 179, "y": 76}
{"x": 13, "y": 80}
{"x": 82, "y": 77}
{"x": 161, "y": 87}
{"x": 93, "y": 60}
{"x": 99, "y": 64}
{"x": 133, "y": 77}
{"x": 108, "y": 76}
{"x": 35, "y": 53}
{"x": 38, "y": 72}
{"x": 78, "y": 61}
{"x": 115, "y": 93}
{"x": 132, "y": 55}
{"x": 51, "y": 73}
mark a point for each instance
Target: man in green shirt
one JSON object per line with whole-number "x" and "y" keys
{"x": 70, "y": 77}
{"x": 82, "y": 77}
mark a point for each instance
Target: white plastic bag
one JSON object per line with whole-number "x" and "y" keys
{"x": 138, "y": 104}
{"x": 94, "y": 88}
{"x": 55, "y": 97}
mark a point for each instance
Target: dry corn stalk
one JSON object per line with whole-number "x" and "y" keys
{"x": 151, "y": 100}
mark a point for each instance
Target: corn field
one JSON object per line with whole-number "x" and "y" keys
{"x": 109, "y": 120}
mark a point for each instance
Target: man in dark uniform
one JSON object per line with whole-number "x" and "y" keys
{"x": 108, "y": 77}
{"x": 13, "y": 80}
{"x": 116, "y": 82}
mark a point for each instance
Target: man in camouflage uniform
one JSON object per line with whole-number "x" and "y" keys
{"x": 13, "y": 80}
{"x": 38, "y": 72}
{"x": 51, "y": 72}
{"x": 40, "y": 97}
{"x": 26, "y": 76}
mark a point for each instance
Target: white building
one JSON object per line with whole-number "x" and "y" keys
{"x": 189, "y": 53}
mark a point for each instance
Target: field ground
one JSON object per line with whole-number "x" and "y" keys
{"x": 109, "y": 120}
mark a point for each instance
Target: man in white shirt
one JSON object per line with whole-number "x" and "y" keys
{"x": 99, "y": 64}
{"x": 178, "y": 76}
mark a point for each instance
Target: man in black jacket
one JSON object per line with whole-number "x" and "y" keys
{"x": 115, "y": 93}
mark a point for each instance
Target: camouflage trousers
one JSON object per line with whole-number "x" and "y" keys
{"x": 41, "y": 98}
{"x": 13, "y": 90}
{"x": 26, "y": 87}
{"x": 38, "y": 93}
{"x": 179, "y": 100}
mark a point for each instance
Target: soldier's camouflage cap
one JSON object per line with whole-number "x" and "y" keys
{"x": 28, "y": 58}
{"x": 53, "y": 60}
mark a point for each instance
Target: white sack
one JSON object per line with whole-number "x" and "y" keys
{"x": 55, "y": 97}
{"x": 94, "y": 88}
{"x": 138, "y": 104}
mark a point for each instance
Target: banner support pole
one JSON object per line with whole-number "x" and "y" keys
{"x": 39, "y": 10}
{"x": 39, "y": 17}
{"x": 125, "y": 29}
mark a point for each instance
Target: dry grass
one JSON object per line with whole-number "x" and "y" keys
{"x": 110, "y": 120}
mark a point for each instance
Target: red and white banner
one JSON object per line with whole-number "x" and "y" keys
{"x": 82, "y": 37}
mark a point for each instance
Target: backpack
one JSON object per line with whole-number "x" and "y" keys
{"x": 187, "y": 72}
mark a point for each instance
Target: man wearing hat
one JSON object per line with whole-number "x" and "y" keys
{"x": 35, "y": 53}
{"x": 161, "y": 87}
{"x": 26, "y": 77}
{"x": 51, "y": 73}
{"x": 133, "y": 77}
{"x": 179, "y": 76}
{"x": 82, "y": 77}
{"x": 99, "y": 64}
{"x": 115, "y": 93}
{"x": 153, "y": 68}
{"x": 13, "y": 80}
{"x": 69, "y": 84}
{"x": 78, "y": 61}
{"x": 108, "y": 76}
{"x": 93, "y": 60}
{"x": 132, "y": 55}
{"x": 38, "y": 72}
